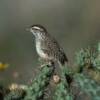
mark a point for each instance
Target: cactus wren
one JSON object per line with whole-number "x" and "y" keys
{"x": 46, "y": 46}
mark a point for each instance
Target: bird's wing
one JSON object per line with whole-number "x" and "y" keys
{"x": 53, "y": 50}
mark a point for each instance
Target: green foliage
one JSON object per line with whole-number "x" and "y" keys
{"x": 62, "y": 93}
{"x": 89, "y": 57}
{"x": 88, "y": 85}
{"x": 39, "y": 84}
{"x": 86, "y": 57}
{"x": 97, "y": 60}
{"x": 17, "y": 94}
{"x": 83, "y": 85}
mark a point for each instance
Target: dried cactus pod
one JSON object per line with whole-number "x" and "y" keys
{"x": 56, "y": 79}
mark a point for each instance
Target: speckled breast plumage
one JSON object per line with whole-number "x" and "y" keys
{"x": 48, "y": 48}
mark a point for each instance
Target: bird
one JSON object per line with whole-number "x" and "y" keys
{"x": 47, "y": 47}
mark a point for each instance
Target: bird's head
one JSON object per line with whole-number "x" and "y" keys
{"x": 37, "y": 30}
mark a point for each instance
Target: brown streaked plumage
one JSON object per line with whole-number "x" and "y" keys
{"x": 46, "y": 46}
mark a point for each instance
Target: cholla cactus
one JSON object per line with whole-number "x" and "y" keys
{"x": 85, "y": 57}
{"x": 62, "y": 91}
{"x": 70, "y": 86}
{"x": 97, "y": 60}
{"x": 89, "y": 59}
{"x": 39, "y": 84}
{"x": 88, "y": 86}
{"x": 99, "y": 47}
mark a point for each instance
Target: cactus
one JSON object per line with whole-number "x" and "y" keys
{"x": 81, "y": 85}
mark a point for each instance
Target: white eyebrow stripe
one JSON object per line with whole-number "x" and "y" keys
{"x": 36, "y": 27}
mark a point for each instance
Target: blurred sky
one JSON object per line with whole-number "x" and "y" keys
{"x": 74, "y": 23}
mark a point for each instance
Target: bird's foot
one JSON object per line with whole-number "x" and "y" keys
{"x": 43, "y": 65}
{"x": 46, "y": 64}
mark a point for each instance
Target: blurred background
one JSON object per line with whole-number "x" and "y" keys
{"x": 74, "y": 23}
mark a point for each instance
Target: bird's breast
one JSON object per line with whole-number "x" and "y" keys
{"x": 39, "y": 50}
